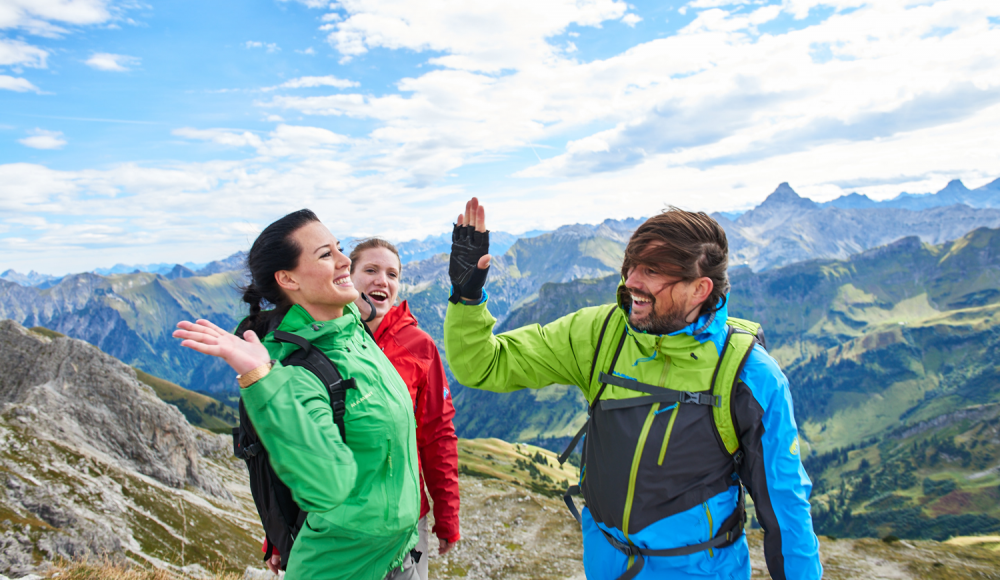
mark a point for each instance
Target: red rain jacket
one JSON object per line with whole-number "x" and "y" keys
{"x": 416, "y": 358}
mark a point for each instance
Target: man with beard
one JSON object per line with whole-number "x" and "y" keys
{"x": 687, "y": 409}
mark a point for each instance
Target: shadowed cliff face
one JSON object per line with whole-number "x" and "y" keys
{"x": 72, "y": 392}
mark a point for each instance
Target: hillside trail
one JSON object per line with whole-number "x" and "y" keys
{"x": 512, "y": 533}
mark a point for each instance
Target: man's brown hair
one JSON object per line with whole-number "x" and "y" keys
{"x": 682, "y": 243}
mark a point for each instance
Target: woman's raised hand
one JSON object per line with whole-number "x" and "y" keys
{"x": 243, "y": 354}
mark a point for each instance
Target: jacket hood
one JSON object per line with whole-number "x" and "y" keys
{"x": 398, "y": 318}
{"x": 701, "y": 329}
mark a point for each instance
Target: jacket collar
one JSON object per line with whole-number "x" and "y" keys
{"x": 398, "y": 318}
{"x": 298, "y": 321}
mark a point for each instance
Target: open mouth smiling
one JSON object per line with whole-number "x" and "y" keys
{"x": 378, "y": 296}
{"x": 641, "y": 300}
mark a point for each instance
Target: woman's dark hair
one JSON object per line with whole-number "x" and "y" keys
{"x": 685, "y": 244}
{"x": 273, "y": 250}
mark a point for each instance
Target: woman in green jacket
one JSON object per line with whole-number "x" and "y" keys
{"x": 361, "y": 496}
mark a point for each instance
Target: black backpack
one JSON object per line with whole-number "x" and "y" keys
{"x": 281, "y": 517}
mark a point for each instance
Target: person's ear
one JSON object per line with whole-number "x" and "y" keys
{"x": 702, "y": 290}
{"x": 286, "y": 280}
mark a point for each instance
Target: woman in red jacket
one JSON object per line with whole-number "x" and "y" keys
{"x": 375, "y": 270}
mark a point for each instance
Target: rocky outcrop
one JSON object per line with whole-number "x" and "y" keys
{"x": 92, "y": 463}
{"x": 76, "y": 394}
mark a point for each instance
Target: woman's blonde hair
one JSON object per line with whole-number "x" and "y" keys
{"x": 370, "y": 243}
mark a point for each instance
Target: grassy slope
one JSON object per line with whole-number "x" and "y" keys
{"x": 526, "y": 465}
{"x": 934, "y": 480}
{"x": 200, "y": 410}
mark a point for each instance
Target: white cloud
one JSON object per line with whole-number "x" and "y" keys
{"x": 481, "y": 36}
{"x": 711, "y": 117}
{"x": 718, "y": 90}
{"x": 631, "y": 19}
{"x": 42, "y": 139}
{"x": 21, "y": 54}
{"x": 268, "y": 46}
{"x": 700, "y": 4}
{"x": 220, "y": 136}
{"x": 284, "y": 141}
{"x": 311, "y": 82}
{"x": 112, "y": 62}
{"x": 17, "y": 84}
{"x": 310, "y": 51}
{"x": 40, "y": 16}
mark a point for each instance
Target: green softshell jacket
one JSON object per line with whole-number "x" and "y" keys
{"x": 361, "y": 497}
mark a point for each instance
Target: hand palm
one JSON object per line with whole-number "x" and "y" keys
{"x": 243, "y": 354}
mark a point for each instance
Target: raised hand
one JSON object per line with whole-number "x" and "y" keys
{"x": 470, "y": 260}
{"x": 243, "y": 354}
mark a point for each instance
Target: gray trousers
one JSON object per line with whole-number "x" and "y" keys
{"x": 424, "y": 547}
{"x": 408, "y": 571}
{"x": 411, "y": 570}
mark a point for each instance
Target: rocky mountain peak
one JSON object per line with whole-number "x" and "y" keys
{"x": 955, "y": 185}
{"x": 72, "y": 393}
{"x": 783, "y": 204}
{"x": 785, "y": 195}
{"x": 179, "y": 271}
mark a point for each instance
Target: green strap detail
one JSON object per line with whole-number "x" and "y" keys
{"x": 738, "y": 346}
{"x": 742, "y": 324}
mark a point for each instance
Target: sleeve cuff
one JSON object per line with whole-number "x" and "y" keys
{"x": 473, "y": 302}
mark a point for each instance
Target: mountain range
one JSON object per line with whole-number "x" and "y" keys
{"x": 954, "y": 193}
{"x": 131, "y": 315}
{"x": 787, "y": 228}
{"x": 782, "y": 210}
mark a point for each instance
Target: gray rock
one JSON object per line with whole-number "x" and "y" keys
{"x": 94, "y": 465}
{"x": 74, "y": 393}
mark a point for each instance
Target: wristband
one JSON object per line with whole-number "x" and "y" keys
{"x": 247, "y": 379}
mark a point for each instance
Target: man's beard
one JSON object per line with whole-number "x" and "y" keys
{"x": 654, "y": 323}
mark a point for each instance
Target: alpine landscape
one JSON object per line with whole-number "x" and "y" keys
{"x": 885, "y": 316}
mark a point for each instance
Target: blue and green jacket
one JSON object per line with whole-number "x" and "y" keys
{"x": 657, "y": 476}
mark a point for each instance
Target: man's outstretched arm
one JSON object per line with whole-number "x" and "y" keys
{"x": 528, "y": 357}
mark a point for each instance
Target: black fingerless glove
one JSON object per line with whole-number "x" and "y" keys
{"x": 467, "y": 247}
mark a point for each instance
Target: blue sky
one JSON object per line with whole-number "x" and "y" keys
{"x": 173, "y": 131}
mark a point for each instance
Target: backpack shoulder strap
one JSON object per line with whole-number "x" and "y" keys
{"x": 735, "y": 352}
{"x": 600, "y": 339}
{"x": 593, "y": 365}
{"x": 316, "y": 362}
{"x": 749, "y": 326}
